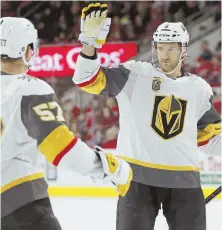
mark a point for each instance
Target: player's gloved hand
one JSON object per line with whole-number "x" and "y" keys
{"x": 94, "y": 25}
{"x": 117, "y": 170}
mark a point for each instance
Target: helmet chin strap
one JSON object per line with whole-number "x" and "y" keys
{"x": 27, "y": 63}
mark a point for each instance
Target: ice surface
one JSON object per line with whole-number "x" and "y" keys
{"x": 99, "y": 214}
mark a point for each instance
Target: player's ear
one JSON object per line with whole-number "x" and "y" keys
{"x": 28, "y": 53}
{"x": 185, "y": 57}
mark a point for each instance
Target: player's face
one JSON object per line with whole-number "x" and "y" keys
{"x": 168, "y": 55}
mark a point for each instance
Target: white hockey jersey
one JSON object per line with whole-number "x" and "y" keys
{"x": 161, "y": 119}
{"x": 33, "y": 126}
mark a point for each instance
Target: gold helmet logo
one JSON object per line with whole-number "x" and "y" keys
{"x": 168, "y": 116}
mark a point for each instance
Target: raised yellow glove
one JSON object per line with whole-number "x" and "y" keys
{"x": 116, "y": 170}
{"x": 94, "y": 25}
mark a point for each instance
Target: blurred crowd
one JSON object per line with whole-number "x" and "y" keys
{"x": 96, "y": 119}
{"x": 208, "y": 63}
{"x": 59, "y": 21}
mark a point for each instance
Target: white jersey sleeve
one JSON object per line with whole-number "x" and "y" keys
{"x": 43, "y": 120}
{"x": 95, "y": 79}
{"x": 209, "y": 124}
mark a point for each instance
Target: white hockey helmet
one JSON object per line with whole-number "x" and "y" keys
{"x": 171, "y": 32}
{"x": 15, "y": 36}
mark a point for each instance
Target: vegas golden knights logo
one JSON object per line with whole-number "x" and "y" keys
{"x": 156, "y": 84}
{"x": 168, "y": 116}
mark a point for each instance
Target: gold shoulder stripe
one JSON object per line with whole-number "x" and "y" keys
{"x": 210, "y": 131}
{"x": 97, "y": 85}
{"x": 56, "y": 142}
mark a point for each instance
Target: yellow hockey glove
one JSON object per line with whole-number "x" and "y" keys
{"x": 116, "y": 170}
{"x": 94, "y": 25}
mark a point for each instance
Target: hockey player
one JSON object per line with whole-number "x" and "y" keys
{"x": 164, "y": 114}
{"x": 32, "y": 122}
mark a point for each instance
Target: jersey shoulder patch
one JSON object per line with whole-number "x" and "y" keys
{"x": 34, "y": 86}
{"x": 138, "y": 67}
